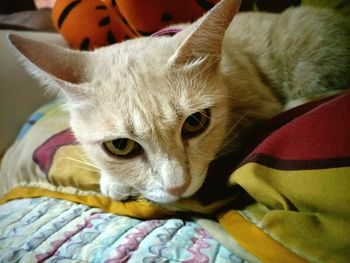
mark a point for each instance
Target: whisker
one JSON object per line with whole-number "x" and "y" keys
{"x": 86, "y": 168}
{"x": 228, "y": 150}
{"x": 236, "y": 124}
{"x": 229, "y": 133}
{"x": 231, "y": 150}
{"x": 207, "y": 116}
{"x": 78, "y": 161}
{"x": 199, "y": 73}
{"x": 224, "y": 96}
{"x": 85, "y": 159}
{"x": 83, "y": 164}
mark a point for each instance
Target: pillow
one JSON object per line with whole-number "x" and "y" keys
{"x": 93, "y": 23}
{"x": 46, "y": 150}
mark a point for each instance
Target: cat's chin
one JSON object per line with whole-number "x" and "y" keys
{"x": 122, "y": 192}
{"x": 161, "y": 197}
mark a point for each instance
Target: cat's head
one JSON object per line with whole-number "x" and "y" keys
{"x": 151, "y": 113}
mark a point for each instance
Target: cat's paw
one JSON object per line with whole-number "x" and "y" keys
{"x": 114, "y": 190}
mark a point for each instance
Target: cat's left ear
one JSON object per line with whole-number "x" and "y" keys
{"x": 205, "y": 42}
{"x": 63, "y": 69}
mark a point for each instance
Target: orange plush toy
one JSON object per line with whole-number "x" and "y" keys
{"x": 88, "y": 24}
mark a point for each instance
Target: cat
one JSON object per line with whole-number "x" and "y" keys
{"x": 152, "y": 113}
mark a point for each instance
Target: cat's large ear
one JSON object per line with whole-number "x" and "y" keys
{"x": 205, "y": 41}
{"x": 61, "y": 68}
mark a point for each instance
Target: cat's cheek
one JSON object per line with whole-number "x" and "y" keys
{"x": 195, "y": 185}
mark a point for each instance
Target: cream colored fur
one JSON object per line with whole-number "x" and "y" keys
{"x": 144, "y": 89}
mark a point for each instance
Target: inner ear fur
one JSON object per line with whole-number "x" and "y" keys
{"x": 206, "y": 39}
{"x": 59, "y": 63}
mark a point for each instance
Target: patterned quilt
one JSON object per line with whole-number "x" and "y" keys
{"x": 52, "y": 230}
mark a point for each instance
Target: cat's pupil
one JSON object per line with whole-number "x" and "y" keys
{"x": 120, "y": 143}
{"x": 195, "y": 119}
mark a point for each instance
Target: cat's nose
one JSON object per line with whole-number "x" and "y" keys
{"x": 178, "y": 190}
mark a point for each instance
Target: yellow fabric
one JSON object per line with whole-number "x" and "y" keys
{"x": 139, "y": 209}
{"x": 308, "y": 211}
{"x": 254, "y": 240}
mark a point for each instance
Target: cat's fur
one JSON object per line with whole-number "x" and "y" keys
{"x": 144, "y": 89}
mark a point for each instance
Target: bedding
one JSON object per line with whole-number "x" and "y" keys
{"x": 295, "y": 171}
{"x": 284, "y": 198}
{"x": 53, "y": 230}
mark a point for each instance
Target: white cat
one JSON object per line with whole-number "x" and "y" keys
{"x": 152, "y": 113}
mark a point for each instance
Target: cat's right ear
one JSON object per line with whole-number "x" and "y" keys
{"x": 204, "y": 43}
{"x": 62, "y": 69}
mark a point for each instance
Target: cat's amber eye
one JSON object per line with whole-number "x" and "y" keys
{"x": 123, "y": 147}
{"x": 195, "y": 124}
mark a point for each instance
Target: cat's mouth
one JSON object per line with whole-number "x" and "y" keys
{"x": 157, "y": 192}
{"x": 163, "y": 196}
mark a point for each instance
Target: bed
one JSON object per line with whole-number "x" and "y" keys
{"x": 283, "y": 198}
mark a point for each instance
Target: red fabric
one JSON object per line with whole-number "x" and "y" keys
{"x": 317, "y": 138}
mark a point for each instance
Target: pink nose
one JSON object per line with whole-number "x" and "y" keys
{"x": 178, "y": 190}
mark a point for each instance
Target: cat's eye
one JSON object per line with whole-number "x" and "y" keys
{"x": 123, "y": 147}
{"x": 195, "y": 124}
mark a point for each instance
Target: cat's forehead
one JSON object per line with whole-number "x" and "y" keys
{"x": 142, "y": 114}
{"x": 139, "y": 99}
{"x": 139, "y": 70}
{"x": 144, "y": 55}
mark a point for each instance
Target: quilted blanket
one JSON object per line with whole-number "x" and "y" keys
{"x": 53, "y": 230}
{"x": 284, "y": 198}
